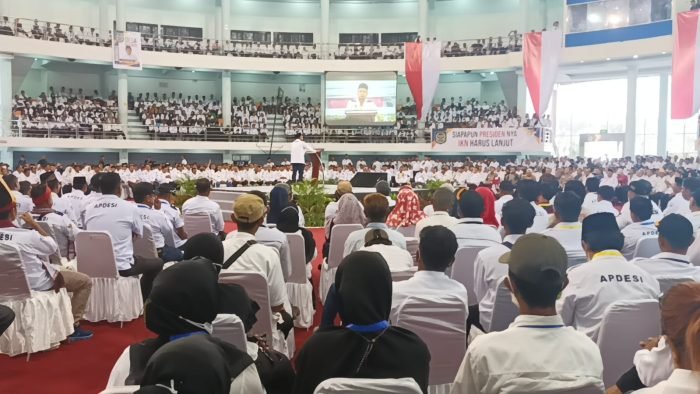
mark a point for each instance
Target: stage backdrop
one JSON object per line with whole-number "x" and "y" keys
{"x": 488, "y": 140}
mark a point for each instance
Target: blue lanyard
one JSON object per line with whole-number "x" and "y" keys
{"x": 550, "y": 326}
{"x": 143, "y": 206}
{"x": 369, "y": 328}
{"x": 648, "y": 222}
{"x": 185, "y": 335}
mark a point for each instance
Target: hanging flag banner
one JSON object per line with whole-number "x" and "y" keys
{"x": 541, "y": 57}
{"x": 423, "y": 73}
{"x": 521, "y": 139}
{"x": 126, "y": 48}
{"x": 685, "y": 78}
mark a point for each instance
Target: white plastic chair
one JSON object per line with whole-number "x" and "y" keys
{"x": 399, "y": 276}
{"x": 229, "y": 328}
{"x": 120, "y": 390}
{"x": 666, "y": 283}
{"x": 647, "y": 247}
{"x": 197, "y": 224}
{"x": 412, "y": 247}
{"x": 441, "y": 322}
{"x": 339, "y": 235}
{"x": 504, "y": 311}
{"x": 62, "y": 243}
{"x": 624, "y": 324}
{"x": 368, "y": 386}
{"x": 299, "y": 289}
{"x": 463, "y": 270}
{"x": 42, "y": 318}
{"x": 114, "y": 298}
{"x": 144, "y": 245}
{"x": 255, "y": 284}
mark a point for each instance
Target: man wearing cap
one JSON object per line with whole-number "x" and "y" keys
{"x": 243, "y": 253}
{"x": 643, "y": 226}
{"x": 122, "y": 220}
{"x": 518, "y": 216}
{"x": 165, "y": 197}
{"x": 567, "y": 209}
{"x": 201, "y": 204}
{"x": 675, "y": 237}
{"x": 606, "y": 278}
{"x": 538, "y": 352}
{"x": 641, "y": 188}
{"x": 35, "y": 247}
{"x": 161, "y": 229}
{"x": 398, "y": 260}
{"x": 680, "y": 203}
{"x": 64, "y": 228}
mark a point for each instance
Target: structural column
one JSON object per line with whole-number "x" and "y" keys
{"x": 423, "y": 19}
{"x": 225, "y": 19}
{"x": 323, "y": 99}
{"x": 522, "y": 94}
{"x": 122, "y": 99}
{"x": 121, "y": 15}
{"x": 226, "y": 97}
{"x": 5, "y": 94}
{"x": 105, "y": 25}
{"x": 325, "y": 25}
{"x": 631, "y": 120}
{"x": 662, "y": 129}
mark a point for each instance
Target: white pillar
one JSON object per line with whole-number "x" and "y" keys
{"x": 122, "y": 95}
{"x": 218, "y": 25}
{"x": 524, "y": 12}
{"x": 5, "y": 94}
{"x": 226, "y": 97}
{"x": 522, "y": 94}
{"x": 225, "y": 19}
{"x": 323, "y": 99}
{"x": 325, "y": 22}
{"x": 121, "y": 15}
{"x": 423, "y": 19}
{"x": 663, "y": 115}
{"x": 631, "y": 121}
{"x": 105, "y": 25}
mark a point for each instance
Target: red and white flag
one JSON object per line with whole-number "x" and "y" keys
{"x": 685, "y": 80}
{"x": 541, "y": 56}
{"x": 423, "y": 73}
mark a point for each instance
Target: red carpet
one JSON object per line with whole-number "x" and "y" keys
{"x": 83, "y": 367}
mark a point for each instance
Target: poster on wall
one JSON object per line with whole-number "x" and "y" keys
{"x": 489, "y": 140}
{"x": 126, "y": 48}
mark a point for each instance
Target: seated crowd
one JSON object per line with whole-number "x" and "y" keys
{"x": 544, "y": 233}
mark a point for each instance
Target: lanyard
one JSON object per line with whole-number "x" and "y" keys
{"x": 549, "y": 326}
{"x": 607, "y": 253}
{"x": 648, "y": 222}
{"x": 369, "y": 328}
{"x": 568, "y": 227}
{"x": 185, "y": 335}
{"x": 676, "y": 260}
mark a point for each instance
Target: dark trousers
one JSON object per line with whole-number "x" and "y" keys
{"x": 148, "y": 268}
{"x": 7, "y": 316}
{"x": 168, "y": 253}
{"x": 330, "y": 309}
{"x": 297, "y": 172}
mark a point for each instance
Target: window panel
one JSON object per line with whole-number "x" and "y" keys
{"x": 647, "y": 122}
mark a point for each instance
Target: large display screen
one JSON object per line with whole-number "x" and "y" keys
{"x": 360, "y": 99}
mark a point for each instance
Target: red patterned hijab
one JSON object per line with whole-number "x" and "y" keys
{"x": 407, "y": 211}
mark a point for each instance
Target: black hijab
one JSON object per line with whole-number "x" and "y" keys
{"x": 198, "y": 364}
{"x": 364, "y": 287}
{"x": 288, "y": 220}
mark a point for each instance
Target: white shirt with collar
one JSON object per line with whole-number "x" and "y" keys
{"x": 535, "y": 354}
{"x": 438, "y": 218}
{"x": 24, "y": 203}
{"x": 682, "y": 381}
{"x": 625, "y": 217}
{"x": 634, "y": 232}
{"x": 201, "y": 205}
{"x": 487, "y": 272}
{"x": 299, "y": 148}
{"x": 277, "y": 240}
{"x": 473, "y": 233}
{"x": 161, "y": 229}
{"x": 678, "y": 205}
{"x": 35, "y": 250}
{"x": 599, "y": 207}
{"x": 501, "y": 202}
{"x": 356, "y": 239}
{"x": 121, "y": 219}
{"x": 589, "y": 200}
{"x": 596, "y": 284}
{"x": 262, "y": 259}
{"x": 398, "y": 260}
{"x": 64, "y": 206}
{"x": 541, "y": 221}
{"x": 694, "y": 218}
{"x": 75, "y": 199}
{"x": 426, "y": 283}
{"x": 64, "y": 229}
{"x": 172, "y": 213}
{"x": 569, "y": 236}
{"x": 669, "y": 265}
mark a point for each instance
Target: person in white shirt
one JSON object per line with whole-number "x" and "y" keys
{"x": 343, "y": 187}
{"x": 63, "y": 228}
{"x": 518, "y": 216}
{"x": 532, "y": 191}
{"x": 605, "y": 279}
{"x": 506, "y": 194}
{"x": 591, "y": 198}
{"x": 675, "y": 237}
{"x": 122, "y": 220}
{"x": 680, "y": 203}
{"x": 609, "y": 179}
{"x": 470, "y": 230}
{"x": 436, "y": 253}
{"x": 399, "y": 260}
{"x": 538, "y": 352}
{"x": 160, "y": 226}
{"x": 165, "y": 196}
{"x": 76, "y": 196}
{"x": 24, "y": 203}
{"x": 443, "y": 201}
{"x": 201, "y": 204}
{"x": 567, "y": 209}
{"x": 603, "y": 202}
{"x": 643, "y": 226}
{"x": 641, "y": 188}
{"x": 299, "y": 148}
{"x": 376, "y": 209}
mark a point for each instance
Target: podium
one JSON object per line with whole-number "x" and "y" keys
{"x": 316, "y": 165}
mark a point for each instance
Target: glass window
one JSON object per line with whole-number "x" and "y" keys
{"x": 647, "y": 122}
{"x": 681, "y": 133}
{"x": 612, "y": 14}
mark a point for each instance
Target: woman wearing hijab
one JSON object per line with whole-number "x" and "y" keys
{"x": 279, "y": 199}
{"x": 182, "y": 303}
{"x": 407, "y": 211}
{"x": 367, "y": 346}
{"x": 489, "y": 214}
{"x": 288, "y": 222}
{"x": 350, "y": 211}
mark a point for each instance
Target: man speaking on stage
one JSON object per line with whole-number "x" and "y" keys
{"x": 299, "y": 148}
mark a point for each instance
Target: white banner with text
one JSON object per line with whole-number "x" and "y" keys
{"x": 489, "y": 140}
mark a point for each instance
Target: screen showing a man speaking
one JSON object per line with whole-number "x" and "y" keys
{"x": 360, "y": 99}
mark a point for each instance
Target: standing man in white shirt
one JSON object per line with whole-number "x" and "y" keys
{"x": 299, "y": 148}
{"x": 538, "y": 352}
{"x": 518, "y": 216}
{"x": 642, "y": 226}
{"x": 605, "y": 279}
{"x": 443, "y": 200}
{"x": 121, "y": 219}
{"x": 201, "y": 204}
